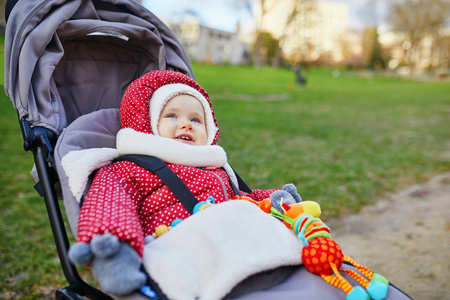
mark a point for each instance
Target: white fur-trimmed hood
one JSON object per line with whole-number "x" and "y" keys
{"x": 130, "y": 141}
{"x": 78, "y": 165}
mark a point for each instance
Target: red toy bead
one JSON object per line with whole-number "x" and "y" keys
{"x": 319, "y": 253}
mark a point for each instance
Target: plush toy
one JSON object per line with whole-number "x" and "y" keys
{"x": 320, "y": 254}
{"x": 115, "y": 264}
{"x": 288, "y": 195}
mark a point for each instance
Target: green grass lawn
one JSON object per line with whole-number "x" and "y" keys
{"x": 344, "y": 142}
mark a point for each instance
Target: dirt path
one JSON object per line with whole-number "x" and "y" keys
{"x": 406, "y": 238}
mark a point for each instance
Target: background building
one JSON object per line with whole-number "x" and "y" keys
{"x": 210, "y": 45}
{"x": 313, "y": 32}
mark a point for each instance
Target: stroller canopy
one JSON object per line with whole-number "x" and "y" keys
{"x": 64, "y": 59}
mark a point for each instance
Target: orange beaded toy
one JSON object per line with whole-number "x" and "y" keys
{"x": 323, "y": 256}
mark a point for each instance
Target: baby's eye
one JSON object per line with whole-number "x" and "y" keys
{"x": 196, "y": 120}
{"x": 171, "y": 116}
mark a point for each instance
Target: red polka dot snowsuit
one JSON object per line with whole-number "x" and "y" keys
{"x": 129, "y": 201}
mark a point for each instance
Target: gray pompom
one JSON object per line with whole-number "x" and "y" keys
{"x": 291, "y": 189}
{"x": 120, "y": 274}
{"x": 105, "y": 245}
{"x": 80, "y": 254}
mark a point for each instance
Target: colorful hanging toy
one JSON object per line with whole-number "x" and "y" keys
{"x": 320, "y": 254}
{"x": 162, "y": 229}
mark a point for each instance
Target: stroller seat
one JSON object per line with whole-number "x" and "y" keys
{"x": 94, "y": 130}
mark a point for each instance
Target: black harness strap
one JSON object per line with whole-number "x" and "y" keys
{"x": 236, "y": 191}
{"x": 173, "y": 182}
{"x": 242, "y": 185}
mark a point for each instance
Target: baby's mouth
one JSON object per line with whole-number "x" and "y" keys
{"x": 184, "y": 138}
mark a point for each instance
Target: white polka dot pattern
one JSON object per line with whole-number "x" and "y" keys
{"x": 130, "y": 202}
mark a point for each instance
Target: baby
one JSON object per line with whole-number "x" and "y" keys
{"x": 167, "y": 115}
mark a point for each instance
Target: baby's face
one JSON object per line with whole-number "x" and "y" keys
{"x": 183, "y": 119}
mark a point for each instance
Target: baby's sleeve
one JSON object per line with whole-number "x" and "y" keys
{"x": 111, "y": 205}
{"x": 259, "y": 195}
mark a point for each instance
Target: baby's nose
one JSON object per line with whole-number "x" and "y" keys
{"x": 186, "y": 125}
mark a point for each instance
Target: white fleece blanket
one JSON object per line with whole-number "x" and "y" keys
{"x": 209, "y": 253}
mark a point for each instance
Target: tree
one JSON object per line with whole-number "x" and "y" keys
{"x": 259, "y": 9}
{"x": 372, "y": 48}
{"x": 257, "y": 51}
{"x": 269, "y": 47}
{"x": 298, "y": 6}
{"x": 417, "y": 19}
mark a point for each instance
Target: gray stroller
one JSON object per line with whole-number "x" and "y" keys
{"x": 67, "y": 65}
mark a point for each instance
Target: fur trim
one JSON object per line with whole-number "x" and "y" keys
{"x": 163, "y": 94}
{"x": 130, "y": 141}
{"x": 79, "y": 165}
{"x": 231, "y": 174}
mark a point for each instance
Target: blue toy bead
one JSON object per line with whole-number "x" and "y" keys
{"x": 377, "y": 290}
{"x": 176, "y": 222}
{"x": 147, "y": 291}
{"x": 197, "y": 207}
{"x": 380, "y": 278}
{"x": 358, "y": 293}
{"x": 204, "y": 204}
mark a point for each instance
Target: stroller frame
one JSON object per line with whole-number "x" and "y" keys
{"x": 41, "y": 142}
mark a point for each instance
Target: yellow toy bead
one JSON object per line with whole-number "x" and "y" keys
{"x": 312, "y": 208}
{"x": 204, "y": 206}
{"x": 161, "y": 229}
